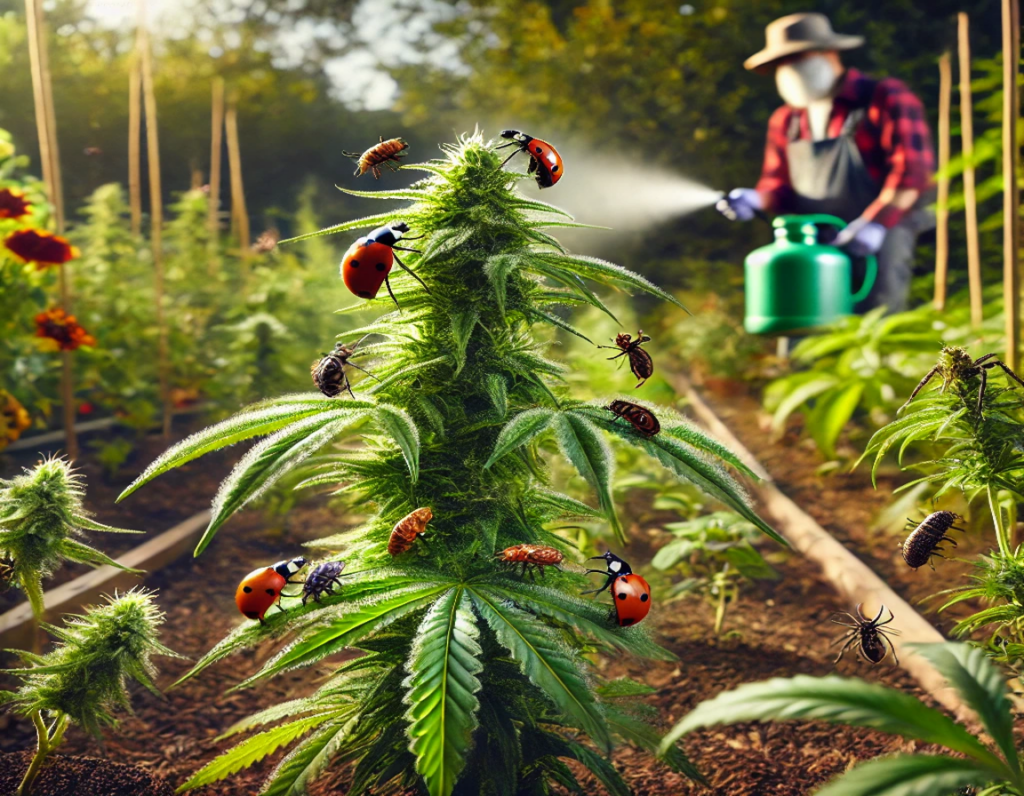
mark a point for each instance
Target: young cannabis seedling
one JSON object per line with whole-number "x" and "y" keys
{"x": 42, "y": 520}
{"x": 85, "y": 678}
{"x": 472, "y": 680}
{"x": 855, "y": 703}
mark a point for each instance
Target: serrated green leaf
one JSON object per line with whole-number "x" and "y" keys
{"x": 546, "y": 662}
{"x": 497, "y": 390}
{"x": 366, "y": 222}
{"x": 608, "y": 273}
{"x": 582, "y": 445}
{"x": 401, "y": 193}
{"x": 400, "y": 427}
{"x": 909, "y": 775}
{"x": 601, "y": 768}
{"x": 441, "y": 691}
{"x": 307, "y": 761}
{"x": 83, "y": 554}
{"x": 554, "y": 320}
{"x": 569, "y": 506}
{"x": 462, "y": 329}
{"x": 519, "y": 431}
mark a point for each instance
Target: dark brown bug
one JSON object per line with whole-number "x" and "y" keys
{"x": 329, "y": 373}
{"x": 640, "y": 361}
{"x": 6, "y": 573}
{"x": 925, "y": 538}
{"x": 956, "y": 367}
{"x": 267, "y": 241}
{"x": 641, "y": 418}
{"x": 384, "y": 153}
{"x": 322, "y": 580}
{"x": 868, "y": 635}
{"x": 408, "y": 530}
{"x": 531, "y": 557}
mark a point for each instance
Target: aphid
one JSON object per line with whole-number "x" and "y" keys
{"x": 322, "y": 580}
{"x": 384, "y": 153}
{"x": 867, "y": 635}
{"x": 925, "y": 538}
{"x": 408, "y": 529}
{"x": 640, "y": 361}
{"x": 531, "y": 557}
{"x": 641, "y": 418}
{"x": 329, "y": 374}
{"x": 367, "y": 263}
{"x": 260, "y": 590}
{"x": 6, "y": 573}
{"x": 631, "y": 592}
{"x": 544, "y": 158}
{"x": 955, "y": 366}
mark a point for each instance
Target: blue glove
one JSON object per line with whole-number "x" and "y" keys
{"x": 860, "y": 240}
{"x": 740, "y": 204}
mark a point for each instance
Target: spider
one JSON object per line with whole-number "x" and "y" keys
{"x": 867, "y": 635}
{"x": 956, "y": 365}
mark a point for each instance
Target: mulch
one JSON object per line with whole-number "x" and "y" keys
{"x": 774, "y": 629}
{"x": 82, "y": 776}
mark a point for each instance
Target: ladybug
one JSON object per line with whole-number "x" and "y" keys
{"x": 544, "y": 158}
{"x": 368, "y": 261}
{"x": 631, "y": 592}
{"x": 261, "y": 588}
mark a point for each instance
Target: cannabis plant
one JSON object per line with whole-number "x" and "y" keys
{"x": 42, "y": 519}
{"x": 856, "y": 703}
{"x": 471, "y": 680}
{"x": 84, "y": 679}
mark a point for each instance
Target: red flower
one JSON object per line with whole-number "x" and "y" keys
{"x": 40, "y": 247}
{"x": 85, "y": 408}
{"x": 13, "y": 203}
{"x": 57, "y": 325}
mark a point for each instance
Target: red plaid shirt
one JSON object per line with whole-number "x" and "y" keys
{"x": 894, "y": 141}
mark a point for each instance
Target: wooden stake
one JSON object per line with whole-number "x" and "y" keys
{"x": 942, "y": 209}
{"x": 134, "y": 138}
{"x": 1011, "y": 195}
{"x": 970, "y": 194}
{"x": 216, "y": 143}
{"x": 238, "y": 210}
{"x": 49, "y": 157}
{"x": 156, "y": 214}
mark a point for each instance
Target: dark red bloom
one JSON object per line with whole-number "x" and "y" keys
{"x": 40, "y": 247}
{"x": 85, "y": 408}
{"x": 57, "y": 325}
{"x": 13, "y": 203}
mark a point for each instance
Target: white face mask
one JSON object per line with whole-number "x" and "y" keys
{"x": 804, "y": 81}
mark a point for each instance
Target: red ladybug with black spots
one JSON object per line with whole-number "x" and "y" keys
{"x": 632, "y": 593}
{"x": 260, "y": 590}
{"x": 367, "y": 263}
{"x": 544, "y": 158}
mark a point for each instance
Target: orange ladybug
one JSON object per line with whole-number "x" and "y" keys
{"x": 367, "y": 263}
{"x": 260, "y": 590}
{"x": 544, "y": 158}
{"x": 408, "y": 529}
{"x": 631, "y": 592}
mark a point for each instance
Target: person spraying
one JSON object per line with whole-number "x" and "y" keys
{"x": 846, "y": 145}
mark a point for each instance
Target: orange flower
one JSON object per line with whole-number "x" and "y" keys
{"x": 13, "y": 203}
{"x": 40, "y": 247}
{"x": 57, "y": 325}
{"x": 14, "y": 418}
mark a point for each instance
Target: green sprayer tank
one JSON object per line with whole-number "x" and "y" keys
{"x": 797, "y": 283}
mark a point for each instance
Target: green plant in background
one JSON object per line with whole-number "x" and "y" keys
{"x": 84, "y": 679}
{"x": 866, "y": 364}
{"x": 472, "y": 680}
{"x": 856, "y": 703}
{"x": 714, "y": 553}
{"x": 42, "y": 519}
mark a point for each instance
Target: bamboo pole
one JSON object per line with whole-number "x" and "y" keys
{"x": 970, "y": 193}
{"x": 49, "y": 157}
{"x": 942, "y": 207}
{"x": 238, "y": 210}
{"x": 1011, "y": 194}
{"x": 216, "y": 144}
{"x": 134, "y": 138}
{"x": 156, "y": 215}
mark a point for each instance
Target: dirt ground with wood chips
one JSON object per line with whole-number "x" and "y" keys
{"x": 775, "y": 629}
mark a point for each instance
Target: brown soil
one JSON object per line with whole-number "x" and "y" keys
{"x": 775, "y": 629}
{"x": 63, "y": 776}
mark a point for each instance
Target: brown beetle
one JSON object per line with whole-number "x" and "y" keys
{"x": 384, "y": 153}
{"x": 641, "y": 418}
{"x": 640, "y": 361}
{"x": 923, "y": 542}
{"x": 867, "y": 635}
{"x": 531, "y": 557}
{"x": 329, "y": 374}
{"x": 408, "y": 530}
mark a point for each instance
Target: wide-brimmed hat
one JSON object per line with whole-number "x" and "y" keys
{"x": 799, "y": 33}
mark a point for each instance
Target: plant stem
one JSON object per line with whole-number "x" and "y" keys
{"x": 45, "y": 743}
{"x": 997, "y": 518}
